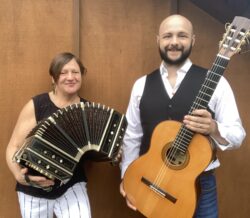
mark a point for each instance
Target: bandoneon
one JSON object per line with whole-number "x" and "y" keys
{"x": 55, "y": 146}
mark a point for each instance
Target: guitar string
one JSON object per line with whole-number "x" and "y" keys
{"x": 177, "y": 143}
{"x": 174, "y": 149}
{"x": 183, "y": 131}
{"x": 212, "y": 74}
{"x": 220, "y": 62}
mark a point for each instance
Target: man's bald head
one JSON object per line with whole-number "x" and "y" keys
{"x": 176, "y": 20}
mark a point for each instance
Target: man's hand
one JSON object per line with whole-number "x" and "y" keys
{"x": 129, "y": 204}
{"x": 201, "y": 122}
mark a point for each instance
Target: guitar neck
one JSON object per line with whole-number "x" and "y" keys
{"x": 235, "y": 40}
{"x": 212, "y": 78}
{"x": 202, "y": 99}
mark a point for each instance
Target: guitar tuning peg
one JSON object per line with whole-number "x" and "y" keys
{"x": 238, "y": 50}
{"x": 248, "y": 37}
{"x": 220, "y": 44}
{"x": 243, "y": 42}
{"x": 227, "y": 26}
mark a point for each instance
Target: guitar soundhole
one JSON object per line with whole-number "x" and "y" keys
{"x": 175, "y": 158}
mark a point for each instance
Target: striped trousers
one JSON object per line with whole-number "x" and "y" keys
{"x": 74, "y": 203}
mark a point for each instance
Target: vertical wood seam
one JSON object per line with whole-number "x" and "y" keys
{"x": 174, "y": 7}
{"x": 76, "y": 27}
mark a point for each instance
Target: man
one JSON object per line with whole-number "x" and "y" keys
{"x": 166, "y": 93}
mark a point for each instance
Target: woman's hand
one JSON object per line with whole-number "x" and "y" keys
{"x": 38, "y": 181}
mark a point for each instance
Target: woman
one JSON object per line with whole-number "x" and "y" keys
{"x": 67, "y": 200}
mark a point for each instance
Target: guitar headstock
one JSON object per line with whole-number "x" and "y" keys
{"x": 237, "y": 37}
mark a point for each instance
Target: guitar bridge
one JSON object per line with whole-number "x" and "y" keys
{"x": 158, "y": 190}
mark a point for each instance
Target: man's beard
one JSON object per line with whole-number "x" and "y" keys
{"x": 180, "y": 60}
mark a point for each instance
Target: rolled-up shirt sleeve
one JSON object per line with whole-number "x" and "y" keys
{"x": 227, "y": 116}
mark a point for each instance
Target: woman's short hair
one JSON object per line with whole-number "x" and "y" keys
{"x": 60, "y": 60}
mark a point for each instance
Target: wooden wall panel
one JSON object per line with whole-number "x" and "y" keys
{"x": 118, "y": 45}
{"x": 233, "y": 176}
{"x": 32, "y": 32}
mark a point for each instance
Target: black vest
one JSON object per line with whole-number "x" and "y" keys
{"x": 156, "y": 106}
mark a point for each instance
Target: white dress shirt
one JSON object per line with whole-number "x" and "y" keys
{"x": 222, "y": 103}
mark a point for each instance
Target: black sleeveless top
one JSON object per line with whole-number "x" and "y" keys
{"x": 44, "y": 107}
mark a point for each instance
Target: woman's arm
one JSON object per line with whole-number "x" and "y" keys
{"x": 25, "y": 123}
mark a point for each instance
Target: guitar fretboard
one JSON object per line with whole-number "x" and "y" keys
{"x": 206, "y": 91}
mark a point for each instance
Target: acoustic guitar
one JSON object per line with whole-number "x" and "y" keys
{"x": 161, "y": 183}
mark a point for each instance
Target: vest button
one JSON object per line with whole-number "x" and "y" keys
{"x": 170, "y": 105}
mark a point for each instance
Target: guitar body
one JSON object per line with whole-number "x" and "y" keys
{"x": 176, "y": 180}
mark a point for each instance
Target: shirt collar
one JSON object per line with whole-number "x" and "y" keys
{"x": 184, "y": 69}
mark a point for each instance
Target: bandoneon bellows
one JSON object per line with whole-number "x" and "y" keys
{"x": 55, "y": 146}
